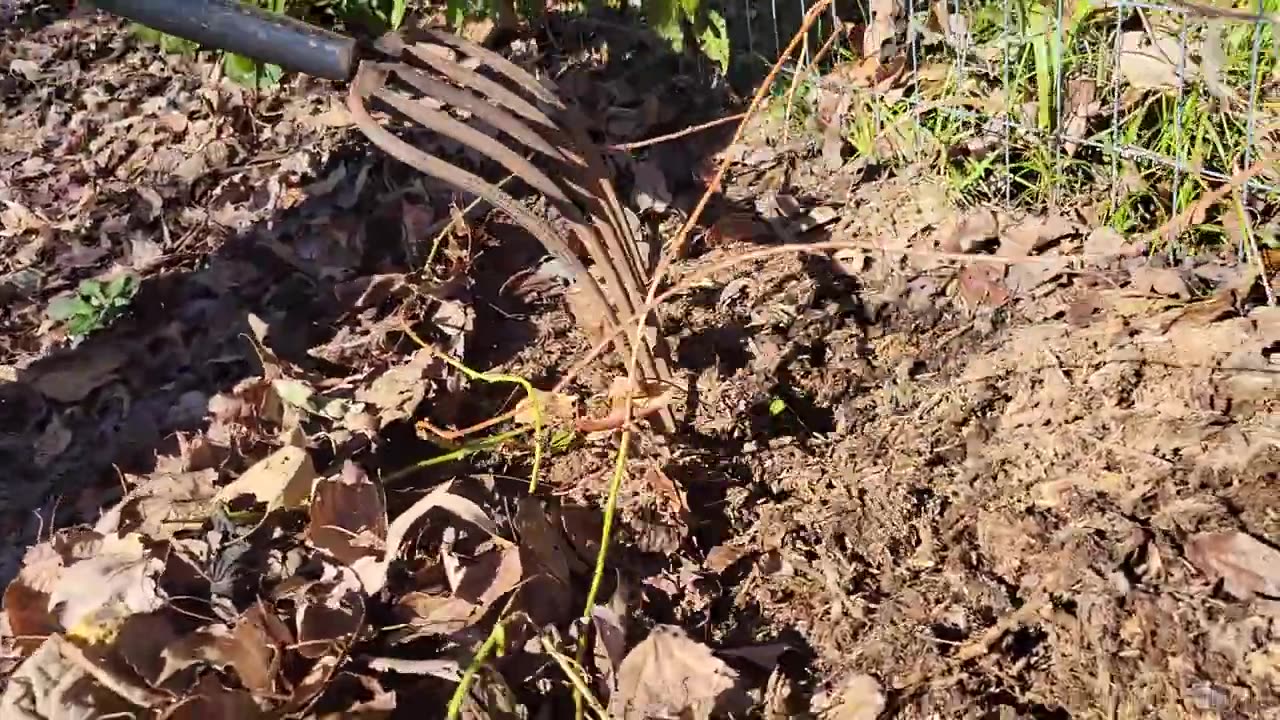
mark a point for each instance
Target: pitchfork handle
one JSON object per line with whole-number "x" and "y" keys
{"x": 239, "y": 28}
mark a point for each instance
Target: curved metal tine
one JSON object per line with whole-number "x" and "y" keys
{"x": 447, "y": 172}
{"x": 368, "y": 81}
{"x": 467, "y": 77}
{"x": 500, "y": 64}
{"x": 447, "y": 125}
{"x": 498, "y": 118}
{"x": 494, "y": 115}
{"x": 605, "y": 205}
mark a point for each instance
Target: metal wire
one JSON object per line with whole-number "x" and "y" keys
{"x": 1111, "y": 49}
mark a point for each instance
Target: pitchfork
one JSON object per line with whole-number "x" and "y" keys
{"x": 544, "y": 141}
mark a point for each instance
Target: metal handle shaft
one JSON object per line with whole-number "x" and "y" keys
{"x": 235, "y": 27}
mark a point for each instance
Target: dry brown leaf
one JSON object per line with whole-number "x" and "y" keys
{"x": 1214, "y": 64}
{"x": 489, "y": 576}
{"x": 1082, "y": 106}
{"x": 1154, "y": 65}
{"x": 881, "y": 28}
{"x": 158, "y": 506}
{"x": 50, "y": 685}
{"x": 982, "y": 285}
{"x": 859, "y": 697}
{"x": 282, "y": 479}
{"x": 721, "y": 557}
{"x": 668, "y": 674}
{"x": 397, "y": 392}
{"x": 93, "y": 595}
{"x": 251, "y": 649}
{"x": 536, "y": 532}
{"x": 437, "y": 614}
{"x": 211, "y": 700}
{"x": 348, "y": 515}
{"x": 1161, "y": 281}
{"x": 1245, "y": 565}
{"x": 373, "y": 572}
{"x": 1106, "y": 242}
{"x": 26, "y": 599}
{"x": 610, "y": 646}
{"x": 1033, "y": 234}
{"x": 965, "y": 233}
{"x": 329, "y": 613}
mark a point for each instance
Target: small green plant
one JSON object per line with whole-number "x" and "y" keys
{"x": 94, "y": 305}
{"x": 777, "y": 406}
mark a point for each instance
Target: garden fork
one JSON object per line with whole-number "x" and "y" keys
{"x": 474, "y": 96}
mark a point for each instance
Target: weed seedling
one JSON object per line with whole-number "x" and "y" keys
{"x": 93, "y": 306}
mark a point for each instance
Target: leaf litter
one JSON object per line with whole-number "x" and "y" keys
{"x": 1035, "y": 483}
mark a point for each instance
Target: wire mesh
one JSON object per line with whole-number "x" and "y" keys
{"x": 1042, "y": 102}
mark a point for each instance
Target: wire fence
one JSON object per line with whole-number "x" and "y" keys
{"x": 1148, "y": 105}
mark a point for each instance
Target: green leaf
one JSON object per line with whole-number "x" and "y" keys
{"x": 168, "y": 43}
{"x": 562, "y": 439}
{"x": 398, "y": 8}
{"x": 68, "y": 306}
{"x": 122, "y": 288}
{"x": 714, "y": 40}
{"x": 664, "y": 18}
{"x": 250, "y": 73}
{"x": 296, "y": 393}
{"x": 777, "y": 406}
{"x": 690, "y": 8}
{"x": 82, "y": 325}
{"x": 92, "y": 289}
{"x": 455, "y": 13}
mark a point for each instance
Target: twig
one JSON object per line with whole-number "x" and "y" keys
{"x": 1251, "y": 243}
{"x": 1177, "y": 224}
{"x": 677, "y": 134}
{"x": 534, "y": 404}
{"x": 795, "y": 79}
{"x": 677, "y": 245}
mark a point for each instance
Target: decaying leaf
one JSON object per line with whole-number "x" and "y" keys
{"x": 373, "y": 572}
{"x": 282, "y": 479}
{"x": 50, "y": 685}
{"x": 159, "y": 505}
{"x": 668, "y": 674}
{"x": 859, "y": 697}
{"x": 1245, "y": 565}
{"x": 93, "y": 595}
{"x": 348, "y": 515}
{"x": 1154, "y": 64}
{"x": 251, "y": 648}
